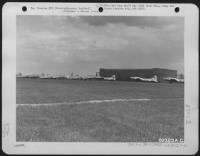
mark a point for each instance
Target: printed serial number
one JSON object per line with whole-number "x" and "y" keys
{"x": 171, "y": 140}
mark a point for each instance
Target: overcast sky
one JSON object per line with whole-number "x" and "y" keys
{"x": 82, "y": 45}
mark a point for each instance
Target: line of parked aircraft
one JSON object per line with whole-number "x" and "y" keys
{"x": 154, "y": 79}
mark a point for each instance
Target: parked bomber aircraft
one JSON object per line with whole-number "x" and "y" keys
{"x": 112, "y": 78}
{"x": 140, "y": 79}
{"x": 173, "y": 80}
{"x": 93, "y": 77}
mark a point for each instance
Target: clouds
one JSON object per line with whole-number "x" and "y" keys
{"x": 84, "y": 44}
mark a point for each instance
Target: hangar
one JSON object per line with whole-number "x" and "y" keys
{"x": 125, "y": 74}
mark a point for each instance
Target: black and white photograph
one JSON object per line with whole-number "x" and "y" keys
{"x": 99, "y": 78}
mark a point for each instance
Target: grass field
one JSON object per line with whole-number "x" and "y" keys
{"x": 162, "y": 116}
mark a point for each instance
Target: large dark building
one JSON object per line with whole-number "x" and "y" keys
{"x": 125, "y": 74}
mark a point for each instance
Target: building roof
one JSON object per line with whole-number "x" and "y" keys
{"x": 137, "y": 69}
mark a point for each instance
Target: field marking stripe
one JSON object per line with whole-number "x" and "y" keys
{"x": 98, "y": 101}
{"x": 84, "y": 102}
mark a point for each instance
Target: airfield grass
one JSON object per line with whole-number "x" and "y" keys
{"x": 135, "y": 121}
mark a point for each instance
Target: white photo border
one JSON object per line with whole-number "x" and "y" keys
{"x": 190, "y": 13}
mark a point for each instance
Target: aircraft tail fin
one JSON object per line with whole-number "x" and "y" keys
{"x": 113, "y": 77}
{"x": 155, "y": 78}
